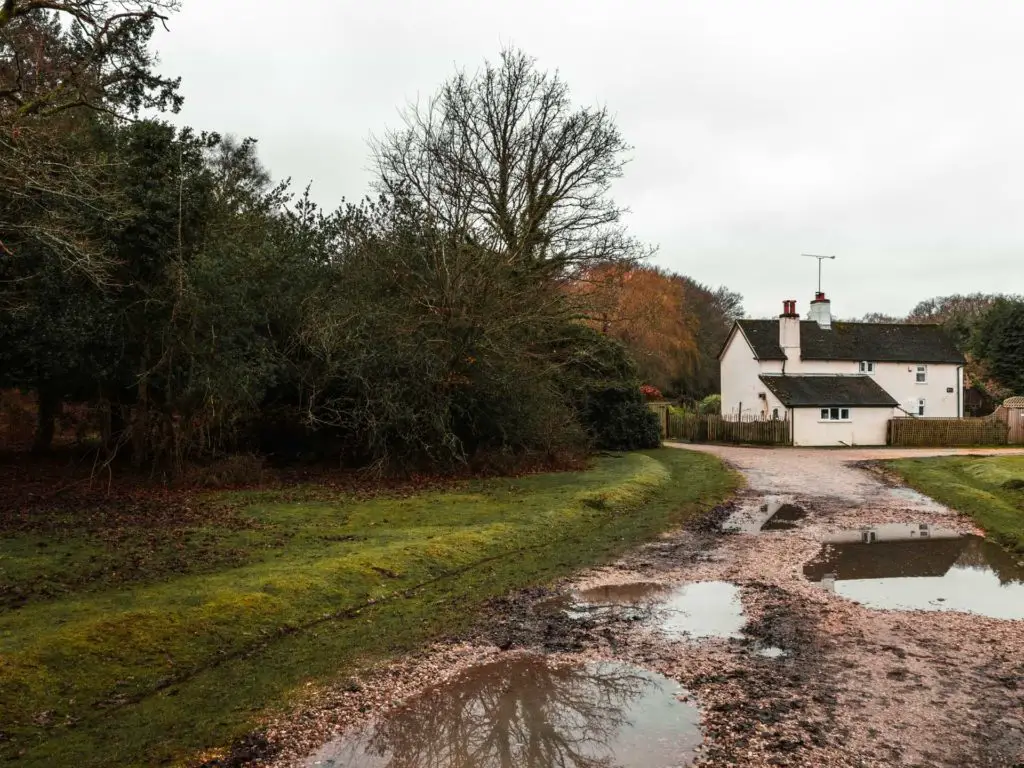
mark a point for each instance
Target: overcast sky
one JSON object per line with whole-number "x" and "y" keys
{"x": 887, "y": 132}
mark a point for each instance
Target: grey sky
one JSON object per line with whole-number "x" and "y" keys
{"x": 888, "y": 132}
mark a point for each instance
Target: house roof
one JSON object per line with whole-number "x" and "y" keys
{"x": 886, "y": 559}
{"x": 809, "y": 391}
{"x": 877, "y": 342}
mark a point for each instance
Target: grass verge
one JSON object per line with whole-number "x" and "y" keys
{"x": 189, "y": 654}
{"x": 988, "y": 488}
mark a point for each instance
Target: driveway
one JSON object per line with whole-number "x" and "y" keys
{"x": 897, "y": 687}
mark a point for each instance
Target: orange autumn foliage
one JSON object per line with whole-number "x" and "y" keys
{"x": 647, "y": 310}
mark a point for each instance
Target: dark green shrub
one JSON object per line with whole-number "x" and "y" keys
{"x": 618, "y": 419}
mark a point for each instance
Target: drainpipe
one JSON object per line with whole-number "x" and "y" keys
{"x": 959, "y": 392}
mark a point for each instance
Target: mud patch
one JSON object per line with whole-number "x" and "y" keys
{"x": 900, "y": 570}
{"x": 530, "y": 712}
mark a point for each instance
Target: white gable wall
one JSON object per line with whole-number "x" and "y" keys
{"x": 740, "y": 383}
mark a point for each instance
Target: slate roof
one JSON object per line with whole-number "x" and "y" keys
{"x": 877, "y": 342}
{"x": 810, "y": 391}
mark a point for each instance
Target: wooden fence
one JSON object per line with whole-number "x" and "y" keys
{"x": 715, "y": 429}
{"x": 663, "y": 412}
{"x": 938, "y": 432}
{"x": 1014, "y": 419}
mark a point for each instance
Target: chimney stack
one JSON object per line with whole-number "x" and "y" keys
{"x": 789, "y": 329}
{"x": 821, "y": 311}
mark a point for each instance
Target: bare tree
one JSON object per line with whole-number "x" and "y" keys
{"x": 504, "y": 157}
{"x": 60, "y": 54}
{"x": 62, "y": 61}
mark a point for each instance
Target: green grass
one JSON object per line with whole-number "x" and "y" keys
{"x": 988, "y": 488}
{"x": 146, "y": 647}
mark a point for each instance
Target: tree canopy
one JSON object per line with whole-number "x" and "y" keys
{"x": 196, "y": 308}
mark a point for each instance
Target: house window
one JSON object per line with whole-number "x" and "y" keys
{"x": 920, "y": 407}
{"x": 921, "y": 377}
{"x": 835, "y": 414}
{"x": 867, "y": 367}
{"x": 868, "y": 537}
{"x": 775, "y": 414}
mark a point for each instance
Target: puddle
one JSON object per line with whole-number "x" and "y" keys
{"x": 530, "y": 714}
{"x": 703, "y": 609}
{"x": 784, "y": 518}
{"x": 635, "y": 593}
{"x": 699, "y": 610}
{"x": 778, "y": 514}
{"x": 771, "y": 652}
{"x": 920, "y": 567}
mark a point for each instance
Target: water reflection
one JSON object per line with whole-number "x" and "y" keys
{"x": 526, "y": 713}
{"x": 939, "y": 572}
{"x": 776, "y": 514}
{"x": 631, "y": 593}
{"x": 704, "y": 609}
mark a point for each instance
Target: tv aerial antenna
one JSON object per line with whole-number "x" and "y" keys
{"x": 820, "y": 259}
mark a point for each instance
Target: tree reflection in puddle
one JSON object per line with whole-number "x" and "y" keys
{"x": 526, "y": 713}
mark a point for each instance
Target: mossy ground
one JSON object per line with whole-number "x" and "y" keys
{"x": 146, "y": 646}
{"x": 988, "y": 488}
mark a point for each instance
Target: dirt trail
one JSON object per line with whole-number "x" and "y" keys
{"x": 856, "y": 687}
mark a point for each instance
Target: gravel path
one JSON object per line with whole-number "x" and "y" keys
{"x": 857, "y": 687}
{"x": 903, "y": 688}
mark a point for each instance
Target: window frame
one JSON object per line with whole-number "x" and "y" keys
{"x": 919, "y": 371}
{"x": 866, "y": 367}
{"x": 842, "y": 414}
{"x": 921, "y": 405}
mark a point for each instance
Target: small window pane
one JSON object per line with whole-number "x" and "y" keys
{"x": 824, "y": 413}
{"x": 922, "y": 374}
{"x": 835, "y": 414}
{"x": 845, "y": 413}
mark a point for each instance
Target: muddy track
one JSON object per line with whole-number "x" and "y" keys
{"x": 846, "y": 685}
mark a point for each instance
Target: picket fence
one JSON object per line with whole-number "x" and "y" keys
{"x": 714, "y": 429}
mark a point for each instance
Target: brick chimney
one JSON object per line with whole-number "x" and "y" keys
{"x": 821, "y": 311}
{"x": 789, "y": 329}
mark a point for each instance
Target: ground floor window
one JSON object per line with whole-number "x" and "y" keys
{"x": 835, "y": 414}
{"x": 920, "y": 407}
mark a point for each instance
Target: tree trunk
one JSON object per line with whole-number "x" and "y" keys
{"x": 140, "y": 417}
{"x": 49, "y": 407}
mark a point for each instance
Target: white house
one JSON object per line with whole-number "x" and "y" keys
{"x": 839, "y": 383}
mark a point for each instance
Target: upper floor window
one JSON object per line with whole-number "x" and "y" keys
{"x": 921, "y": 376}
{"x": 867, "y": 367}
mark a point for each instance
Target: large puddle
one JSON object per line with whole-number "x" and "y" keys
{"x": 527, "y": 713}
{"x": 900, "y": 567}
